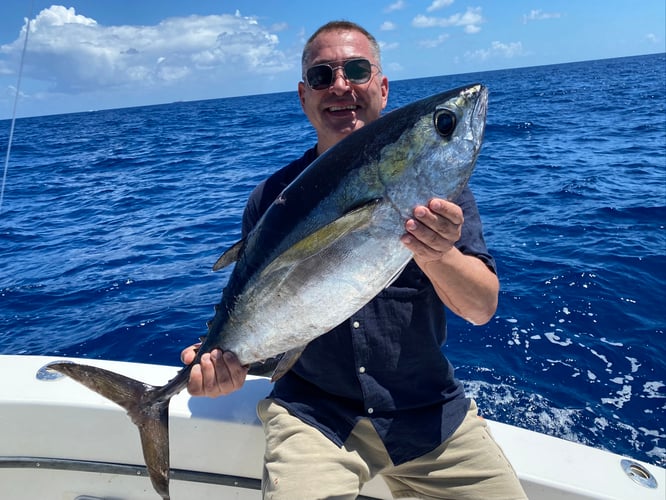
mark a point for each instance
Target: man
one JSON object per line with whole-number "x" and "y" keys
{"x": 376, "y": 395}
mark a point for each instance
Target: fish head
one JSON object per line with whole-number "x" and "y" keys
{"x": 462, "y": 117}
{"x": 456, "y": 136}
{"x": 434, "y": 148}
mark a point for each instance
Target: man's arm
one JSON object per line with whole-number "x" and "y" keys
{"x": 463, "y": 282}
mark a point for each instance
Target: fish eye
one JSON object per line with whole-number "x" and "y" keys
{"x": 445, "y": 122}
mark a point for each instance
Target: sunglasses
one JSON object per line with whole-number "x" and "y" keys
{"x": 322, "y": 76}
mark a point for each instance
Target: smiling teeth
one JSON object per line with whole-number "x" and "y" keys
{"x": 351, "y": 107}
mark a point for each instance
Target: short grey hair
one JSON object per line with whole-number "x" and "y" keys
{"x": 340, "y": 26}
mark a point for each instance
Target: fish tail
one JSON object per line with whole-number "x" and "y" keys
{"x": 145, "y": 405}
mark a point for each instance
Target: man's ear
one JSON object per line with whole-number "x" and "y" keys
{"x": 301, "y": 94}
{"x": 385, "y": 91}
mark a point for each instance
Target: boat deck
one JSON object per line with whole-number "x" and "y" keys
{"x": 63, "y": 441}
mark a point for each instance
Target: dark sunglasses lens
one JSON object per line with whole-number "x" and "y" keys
{"x": 320, "y": 77}
{"x": 358, "y": 70}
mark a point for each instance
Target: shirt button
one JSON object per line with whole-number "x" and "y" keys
{"x": 370, "y": 411}
{"x": 361, "y": 369}
{"x": 356, "y": 324}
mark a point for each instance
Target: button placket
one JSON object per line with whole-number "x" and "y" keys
{"x": 356, "y": 325}
{"x": 356, "y": 328}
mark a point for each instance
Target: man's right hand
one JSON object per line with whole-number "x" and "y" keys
{"x": 217, "y": 373}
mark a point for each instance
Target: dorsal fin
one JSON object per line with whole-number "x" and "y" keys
{"x": 229, "y": 256}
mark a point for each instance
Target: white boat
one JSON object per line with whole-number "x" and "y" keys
{"x": 61, "y": 441}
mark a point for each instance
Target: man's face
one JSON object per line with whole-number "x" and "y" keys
{"x": 343, "y": 107}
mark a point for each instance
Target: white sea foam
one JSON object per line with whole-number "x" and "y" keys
{"x": 623, "y": 397}
{"x": 652, "y": 390}
{"x": 555, "y": 339}
{"x": 635, "y": 365}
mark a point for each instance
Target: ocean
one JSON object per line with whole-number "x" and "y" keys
{"x": 112, "y": 220}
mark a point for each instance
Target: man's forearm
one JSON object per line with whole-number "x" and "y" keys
{"x": 465, "y": 285}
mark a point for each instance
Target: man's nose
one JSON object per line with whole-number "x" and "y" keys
{"x": 340, "y": 82}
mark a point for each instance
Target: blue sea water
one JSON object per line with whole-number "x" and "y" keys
{"x": 112, "y": 219}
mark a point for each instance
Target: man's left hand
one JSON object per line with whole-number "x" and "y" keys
{"x": 433, "y": 230}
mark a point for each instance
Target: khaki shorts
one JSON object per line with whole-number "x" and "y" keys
{"x": 301, "y": 463}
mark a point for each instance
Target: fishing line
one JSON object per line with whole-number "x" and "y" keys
{"x": 13, "y": 122}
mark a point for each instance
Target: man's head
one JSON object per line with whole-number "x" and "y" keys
{"x": 338, "y": 109}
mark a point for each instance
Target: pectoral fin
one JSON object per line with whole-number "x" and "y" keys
{"x": 324, "y": 237}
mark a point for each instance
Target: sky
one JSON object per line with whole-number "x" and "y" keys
{"x": 100, "y": 54}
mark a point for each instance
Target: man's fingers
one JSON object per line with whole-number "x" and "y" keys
{"x": 447, "y": 209}
{"x": 216, "y": 373}
{"x": 237, "y": 372}
{"x": 212, "y": 373}
{"x": 189, "y": 353}
{"x": 195, "y": 382}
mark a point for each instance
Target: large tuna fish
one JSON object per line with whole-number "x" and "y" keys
{"x": 325, "y": 248}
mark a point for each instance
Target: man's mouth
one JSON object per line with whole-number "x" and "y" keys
{"x": 349, "y": 107}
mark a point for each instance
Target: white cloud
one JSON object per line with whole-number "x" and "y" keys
{"x": 395, "y": 67}
{"x": 388, "y": 46}
{"x": 652, "y": 38}
{"x": 74, "y": 53}
{"x": 470, "y": 20}
{"x": 277, "y": 27}
{"x": 422, "y": 21}
{"x": 539, "y": 15}
{"x": 399, "y": 5}
{"x": 57, "y": 15}
{"x": 497, "y": 49}
{"x": 10, "y": 92}
{"x": 388, "y": 26}
{"x": 433, "y": 43}
{"x": 472, "y": 28}
{"x": 439, "y": 4}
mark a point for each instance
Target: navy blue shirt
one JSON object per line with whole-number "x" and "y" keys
{"x": 385, "y": 362}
